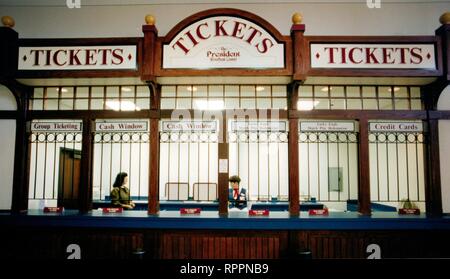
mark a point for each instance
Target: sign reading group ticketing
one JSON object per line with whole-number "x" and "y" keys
{"x": 130, "y": 126}
{"x": 373, "y": 56}
{"x": 188, "y": 126}
{"x": 78, "y": 58}
{"x": 56, "y": 127}
{"x": 223, "y": 42}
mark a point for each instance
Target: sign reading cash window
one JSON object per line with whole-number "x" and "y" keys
{"x": 223, "y": 42}
{"x": 188, "y": 126}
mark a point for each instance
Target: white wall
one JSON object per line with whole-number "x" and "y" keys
{"x": 444, "y": 149}
{"x": 52, "y": 19}
{"x": 7, "y": 140}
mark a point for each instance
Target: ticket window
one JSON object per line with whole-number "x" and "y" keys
{"x": 258, "y": 154}
{"x": 55, "y": 160}
{"x": 397, "y": 164}
{"x": 328, "y": 162}
{"x": 188, "y": 160}
{"x": 121, "y": 145}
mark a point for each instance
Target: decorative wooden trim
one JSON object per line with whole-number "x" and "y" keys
{"x": 374, "y": 72}
{"x": 364, "y": 207}
{"x": 359, "y": 114}
{"x": 77, "y": 114}
{"x": 82, "y": 42}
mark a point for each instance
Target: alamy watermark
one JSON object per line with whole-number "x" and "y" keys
{"x": 74, "y": 251}
{"x": 374, "y": 251}
{"x": 373, "y": 4}
{"x": 71, "y": 4}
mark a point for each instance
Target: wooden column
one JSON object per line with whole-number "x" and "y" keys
{"x": 294, "y": 198}
{"x": 364, "y": 207}
{"x": 444, "y": 33}
{"x": 433, "y": 194}
{"x": 85, "y": 194}
{"x": 9, "y": 48}
{"x": 223, "y": 176}
{"x": 153, "y": 180}
{"x": 300, "y": 48}
{"x": 148, "y": 57}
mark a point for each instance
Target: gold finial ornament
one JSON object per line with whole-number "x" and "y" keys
{"x": 445, "y": 18}
{"x": 150, "y": 20}
{"x": 8, "y": 21}
{"x": 297, "y": 18}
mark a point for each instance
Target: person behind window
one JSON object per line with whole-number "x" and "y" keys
{"x": 120, "y": 194}
{"x": 237, "y": 197}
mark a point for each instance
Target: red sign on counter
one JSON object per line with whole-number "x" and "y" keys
{"x": 318, "y": 211}
{"x": 263, "y": 212}
{"x": 409, "y": 211}
{"x": 190, "y": 210}
{"x": 112, "y": 210}
{"x": 53, "y": 209}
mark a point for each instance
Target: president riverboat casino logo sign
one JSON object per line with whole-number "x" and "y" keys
{"x": 223, "y": 42}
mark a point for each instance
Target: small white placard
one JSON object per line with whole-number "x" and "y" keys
{"x": 396, "y": 127}
{"x": 223, "y": 165}
{"x": 327, "y": 126}
{"x": 186, "y": 126}
{"x": 56, "y": 127}
{"x": 132, "y": 126}
{"x": 275, "y": 126}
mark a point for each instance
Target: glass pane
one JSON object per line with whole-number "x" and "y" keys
{"x": 185, "y": 91}
{"x": 321, "y": 104}
{"x": 200, "y": 91}
{"x": 337, "y": 104}
{"x": 96, "y": 104}
{"x": 66, "y": 92}
{"x": 369, "y": 91}
{"x": 400, "y": 92}
{"x": 38, "y": 92}
{"x": 337, "y": 91}
{"x": 231, "y": 90}
{"x": 321, "y": 91}
{"x": 66, "y": 104}
{"x": 81, "y": 104}
{"x": 385, "y": 104}
{"x": 215, "y": 90}
{"x": 231, "y": 103}
{"x": 384, "y": 92}
{"x": 52, "y": 92}
{"x": 416, "y": 104}
{"x": 127, "y": 91}
{"x": 112, "y": 91}
{"x": 307, "y": 104}
{"x": 353, "y": 92}
{"x": 127, "y": 105}
{"x": 200, "y": 103}
{"x": 354, "y": 104}
{"x": 370, "y": 104}
{"x": 142, "y": 103}
{"x": 167, "y": 91}
{"x": 247, "y": 91}
{"x": 415, "y": 92}
{"x": 144, "y": 91}
{"x": 184, "y": 103}
{"x": 83, "y": 92}
{"x": 305, "y": 91}
{"x": 38, "y": 104}
{"x": 279, "y": 103}
{"x": 263, "y": 91}
{"x": 168, "y": 103}
{"x": 51, "y": 104}
{"x": 401, "y": 104}
{"x": 279, "y": 91}
{"x": 248, "y": 103}
{"x": 263, "y": 103}
{"x": 97, "y": 92}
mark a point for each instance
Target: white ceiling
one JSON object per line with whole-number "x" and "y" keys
{"x": 169, "y": 2}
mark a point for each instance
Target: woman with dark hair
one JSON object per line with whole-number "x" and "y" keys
{"x": 120, "y": 194}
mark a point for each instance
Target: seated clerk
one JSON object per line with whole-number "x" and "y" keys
{"x": 120, "y": 194}
{"x": 237, "y": 198}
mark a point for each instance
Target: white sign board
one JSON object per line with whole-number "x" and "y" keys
{"x": 396, "y": 127}
{"x": 188, "y": 126}
{"x": 223, "y": 165}
{"x": 130, "y": 126}
{"x": 78, "y": 58}
{"x": 327, "y": 126}
{"x": 279, "y": 126}
{"x": 373, "y": 56}
{"x": 223, "y": 42}
{"x": 56, "y": 127}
